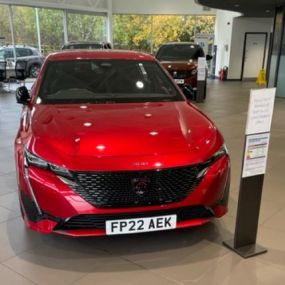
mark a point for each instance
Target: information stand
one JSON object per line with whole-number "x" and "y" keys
{"x": 253, "y": 169}
{"x": 201, "y": 80}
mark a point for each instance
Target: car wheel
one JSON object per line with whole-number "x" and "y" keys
{"x": 34, "y": 70}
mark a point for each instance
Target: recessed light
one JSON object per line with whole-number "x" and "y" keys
{"x": 267, "y": 11}
{"x": 237, "y": 5}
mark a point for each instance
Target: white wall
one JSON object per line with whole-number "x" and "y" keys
{"x": 242, "y": 25}
{"x": 180, "y": 7}
{"x": 223, "y": 37}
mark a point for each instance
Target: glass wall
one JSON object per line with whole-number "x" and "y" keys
{"x": 147, "y": 33}
{"x": 82, "y": 27}
{"x": 51, "y": 25}
{"x": 5, "y": 33}
{"x": 132, "y": 32}
{"x": 136, "y": 32}
{"x": 24, "y": 19}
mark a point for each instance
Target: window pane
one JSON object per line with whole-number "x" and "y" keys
{"x": 132, "y": 32}
{"x": 51, "y": 24}
{"x": 4, "y": 25}
{"x": 25, "y": 25}
{"x": 83, "y": 27}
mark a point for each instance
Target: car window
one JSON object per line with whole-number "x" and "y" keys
{"x": 180, "y": 52}
{"x": 23, "y": 52}
{"x": 8, "y": 53}
{"x": 2, "y": 54}
{"x": 106, "y": 81}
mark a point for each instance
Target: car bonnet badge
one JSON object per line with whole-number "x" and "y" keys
{"x": 140, "y": 185}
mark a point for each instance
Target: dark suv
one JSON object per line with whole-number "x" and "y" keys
{"x": 31, "y": 55}
{"x": 180, "y": 59}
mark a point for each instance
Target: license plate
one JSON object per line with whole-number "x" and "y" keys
{"x": 141, "y": 225}
{"x": 179, "y": 81}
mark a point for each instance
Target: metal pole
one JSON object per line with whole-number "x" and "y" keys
{"x": 151, "y": 35}
{"x": 12, "y": 31}
{"x": 38, "y": 29}
{"x": 109, "y": 22}
{"x": 65, "y": 31}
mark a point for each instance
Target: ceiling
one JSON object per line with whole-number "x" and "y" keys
{"x": 249, "y": 8}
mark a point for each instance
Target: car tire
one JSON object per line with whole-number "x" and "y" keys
{"x": 34, "y": 70}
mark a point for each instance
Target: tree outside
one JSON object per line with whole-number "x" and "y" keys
{"x": 136, "y": 32}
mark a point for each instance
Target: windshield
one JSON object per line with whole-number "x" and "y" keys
{"x": 180, "y": 52}
{"x": 106, "y": 81}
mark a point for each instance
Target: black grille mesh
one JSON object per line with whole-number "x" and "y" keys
{"x": 117, "y": 189}
{"x": 98, "y": 221}
{"x": 181, "y": 74}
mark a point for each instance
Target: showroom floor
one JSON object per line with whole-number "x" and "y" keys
{"x": 192, "y": 256}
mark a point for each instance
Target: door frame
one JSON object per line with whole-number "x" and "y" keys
{"x": 244, "y": 50}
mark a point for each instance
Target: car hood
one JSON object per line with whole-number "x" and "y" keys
{"x": 122, "y": 136}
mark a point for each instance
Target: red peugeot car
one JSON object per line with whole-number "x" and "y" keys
{"x": 109, "y": 145}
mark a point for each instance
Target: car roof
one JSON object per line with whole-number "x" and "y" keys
{"x": 17, "y": 46}
{"x": 83, "y": 42}
{"x": 181, "y": 43}
{"x": 98, "y": 54}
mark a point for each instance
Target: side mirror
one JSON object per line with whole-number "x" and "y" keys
{"x": 22, "y": 95}
{"x": 209, "y": 57}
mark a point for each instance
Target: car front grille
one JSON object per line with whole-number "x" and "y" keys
{"x": 180, "y": 74}
{"x": 98, "y": 221}
{"x": 136, "y": 188}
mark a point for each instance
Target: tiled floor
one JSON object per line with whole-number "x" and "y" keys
{"x": 193, "y": 256}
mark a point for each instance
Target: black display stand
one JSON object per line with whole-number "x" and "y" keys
{"x": 244, "y": 240}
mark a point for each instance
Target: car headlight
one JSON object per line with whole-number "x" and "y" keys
{"x": 31, "y": 159}
{"x": 205, "y": 166}
{"x": 222, "y": 151}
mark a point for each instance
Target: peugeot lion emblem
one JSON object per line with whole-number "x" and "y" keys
{"x": 140, "y": 185}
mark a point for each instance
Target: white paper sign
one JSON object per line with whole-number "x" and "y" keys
{"x": 202, "y": 64}
{"x": 260, "y": 111}
{"x": 255, "y": 157}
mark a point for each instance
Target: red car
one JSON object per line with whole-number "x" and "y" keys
{"x": 108, "y": 145}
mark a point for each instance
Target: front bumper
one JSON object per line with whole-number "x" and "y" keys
{"x": 65, "y": 212}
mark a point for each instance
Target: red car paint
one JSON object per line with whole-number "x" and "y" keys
{"x": 96, "y": 137}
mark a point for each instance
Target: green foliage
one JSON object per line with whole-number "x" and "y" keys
{"x": 85, "y": 27}
{"x": 147, "y": 33}
{"x": 136, "y": 32}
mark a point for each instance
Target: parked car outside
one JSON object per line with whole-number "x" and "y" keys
{"x": 30, "y": 55}
{"x": 108, "y": 144}
{"x": 87, "y": 45}
{"x": 180, "y": 59}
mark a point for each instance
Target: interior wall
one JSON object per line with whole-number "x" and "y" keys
{"x": 178, "y": 7}
{"x": 223, "y": 37}
{"x": 241, "y": 25}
